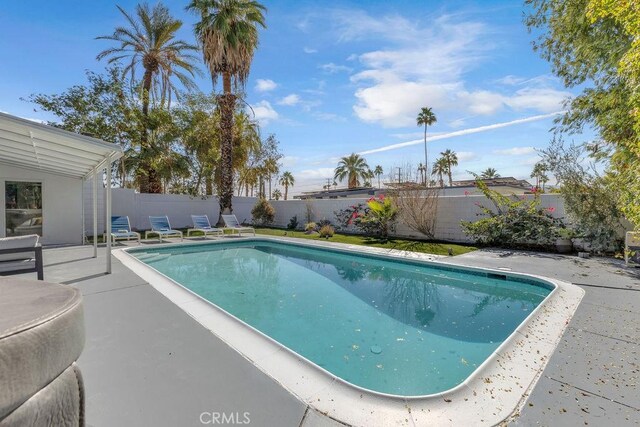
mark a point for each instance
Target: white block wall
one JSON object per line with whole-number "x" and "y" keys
{"x": 451, "y": 210}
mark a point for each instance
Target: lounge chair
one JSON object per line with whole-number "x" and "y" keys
{"x": 201, "y": 223}
{"x": 160, "y": 226}
{"x": 232, "y": 223}
{"x": 22, "y": 254}
{"x": 631, "y": 245}
{"x": 121, "y": 229}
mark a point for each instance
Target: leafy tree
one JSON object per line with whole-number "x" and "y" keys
{"x": 199, "y": 125}
{"x": 150, "y": 42}
{"x": 102, "y": 108}
{"x": 378, "y": 171}
{"x": 425, "y": 118}
{"x": 353, "y": 167}
{"x": 593, "y": 45}
{"x": 440, "y": 169}
{"x": 228, "y": 34}
{"x": 489, "y": 173}
{"x": 287, "y": 180}
{"x": 450, "y": 158}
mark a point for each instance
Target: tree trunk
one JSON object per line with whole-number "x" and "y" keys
{"x": 208, "y": 185}
{"x": 286, "y": 191}
{"x": 149, "y": 179}
{"x": 227, "y": 105}
{"x": 426, "y": 157}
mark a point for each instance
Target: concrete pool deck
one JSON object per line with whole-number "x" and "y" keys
{"x": 146, "y": 362}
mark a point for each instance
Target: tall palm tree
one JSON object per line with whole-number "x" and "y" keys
{"x": 440, "y": 168}
{"x": 377, "y": 172}
{"x": 489, "y": 173}
{"x": 276, "y": 194}
{"x": 149, "y": 41}
{"x": 352, "y": 167}
{"x": 426, "y": 118}
{"x": 287, "y": 180}
{"x": 228, "y": 34}
{"x": 540, "y": 174}
{"x": 451, "y": 159}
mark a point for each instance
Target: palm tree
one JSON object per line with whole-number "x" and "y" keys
{"x": 451, "y": 159}
{"x": 276, "y": 194}
{"x": 287, "y": 180}
{"x": 422, "y": 169}
{"x": 489, "y": 173}
{"x": 352, "y": 167}
{"x": 426, "y": 118}
{"x": 540, "y": 174}
{"x": 377, "y": 172}
{"x": 228, "y": 35}
{"x": 440, "y": 168}
{"x": 149, "y": 41}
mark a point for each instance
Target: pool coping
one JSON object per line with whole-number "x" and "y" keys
{"x": 495, "y": 391}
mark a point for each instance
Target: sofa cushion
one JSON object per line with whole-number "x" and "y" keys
{"x": 18, "y": 242}
{"x": 41, "y": 335}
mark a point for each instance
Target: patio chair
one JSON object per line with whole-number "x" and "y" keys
{"x": 160, "y": 226}
{"x": 201, "y": 223}
{"x": 232, "y": 223}
{"x": 631, "y": 244}
{"x": 121, "y": 229}
{"x": 22, "y": 254}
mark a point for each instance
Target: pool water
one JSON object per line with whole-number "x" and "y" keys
{"x": 387, "y": 325}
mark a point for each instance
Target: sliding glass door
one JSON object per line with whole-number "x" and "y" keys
{"x": 23, "y": 208}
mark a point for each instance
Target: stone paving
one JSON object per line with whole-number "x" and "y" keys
{"x": 146, "y": 362}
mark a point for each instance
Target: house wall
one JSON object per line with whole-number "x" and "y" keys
{"x": 61, "y": 204}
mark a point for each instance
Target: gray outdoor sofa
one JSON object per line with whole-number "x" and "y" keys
{"x": 22, "y": 254}
{"x": 41, "y": 337}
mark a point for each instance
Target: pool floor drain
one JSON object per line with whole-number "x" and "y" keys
{"x": 376, "y": 349}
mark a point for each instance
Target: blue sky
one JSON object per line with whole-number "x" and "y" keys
{"x": 336, "y": 77}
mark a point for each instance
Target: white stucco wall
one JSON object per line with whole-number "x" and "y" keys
{"x": 61, "y": 204}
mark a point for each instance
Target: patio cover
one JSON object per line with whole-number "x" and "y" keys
{"x": 30, "y": 145}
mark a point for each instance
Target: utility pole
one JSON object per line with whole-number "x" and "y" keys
{"x": 399, "y": 169}
{"x": 328, "y": 186}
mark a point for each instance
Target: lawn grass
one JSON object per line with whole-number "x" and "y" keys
{"x": 434, "y": 248}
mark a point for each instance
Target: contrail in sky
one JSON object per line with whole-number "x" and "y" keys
{"x": 460, "y": 133}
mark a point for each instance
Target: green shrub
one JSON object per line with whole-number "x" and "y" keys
{"x": 263, "y": 213}
{"x": 310, "y": 226}
{"x": 327, "y": 231}
{"x": 293, "y": 223}
{"x": 513, "y": 222}
{"x": 376, "y": 218}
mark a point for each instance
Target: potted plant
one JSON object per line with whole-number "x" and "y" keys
{"x": 564, "y": 245}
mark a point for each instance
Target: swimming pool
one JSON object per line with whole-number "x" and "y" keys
{"x": 396, "y": 327}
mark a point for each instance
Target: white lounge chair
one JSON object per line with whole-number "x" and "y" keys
{"x": 121, "y": 229}
{"x": 232, "y": 223}
{"x": 160, "y": 226}
{"x": 201, "y": 223}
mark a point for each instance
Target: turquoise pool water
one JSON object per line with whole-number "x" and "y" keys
{"x": 396, "y": 327}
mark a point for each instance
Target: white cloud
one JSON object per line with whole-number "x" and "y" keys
{"x": 265, "y": 85}
{"x": 264, "y": 112}
{"x": 544, "y": 100}
{"x": 309, "y": 50}
{"x": 289, "y": 161}
{"x": 515, "y": 151}
{"x": 290, "y": 100}
{"x": 319, "y": 173}
{"x": 332, "y": 68}
{"x": 465, "y": 156}
{"x": 329, "y": 117}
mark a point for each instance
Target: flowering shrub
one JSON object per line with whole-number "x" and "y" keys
{"x": 513, "y": 222}
{"x": 376, "y": 217}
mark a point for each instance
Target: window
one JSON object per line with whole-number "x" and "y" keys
{"x": 23, "y": 208}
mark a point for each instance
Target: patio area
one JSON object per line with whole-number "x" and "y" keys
{"x": 146, "y": 362}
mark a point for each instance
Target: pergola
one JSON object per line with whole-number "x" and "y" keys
{"x": 34, "y": 146}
